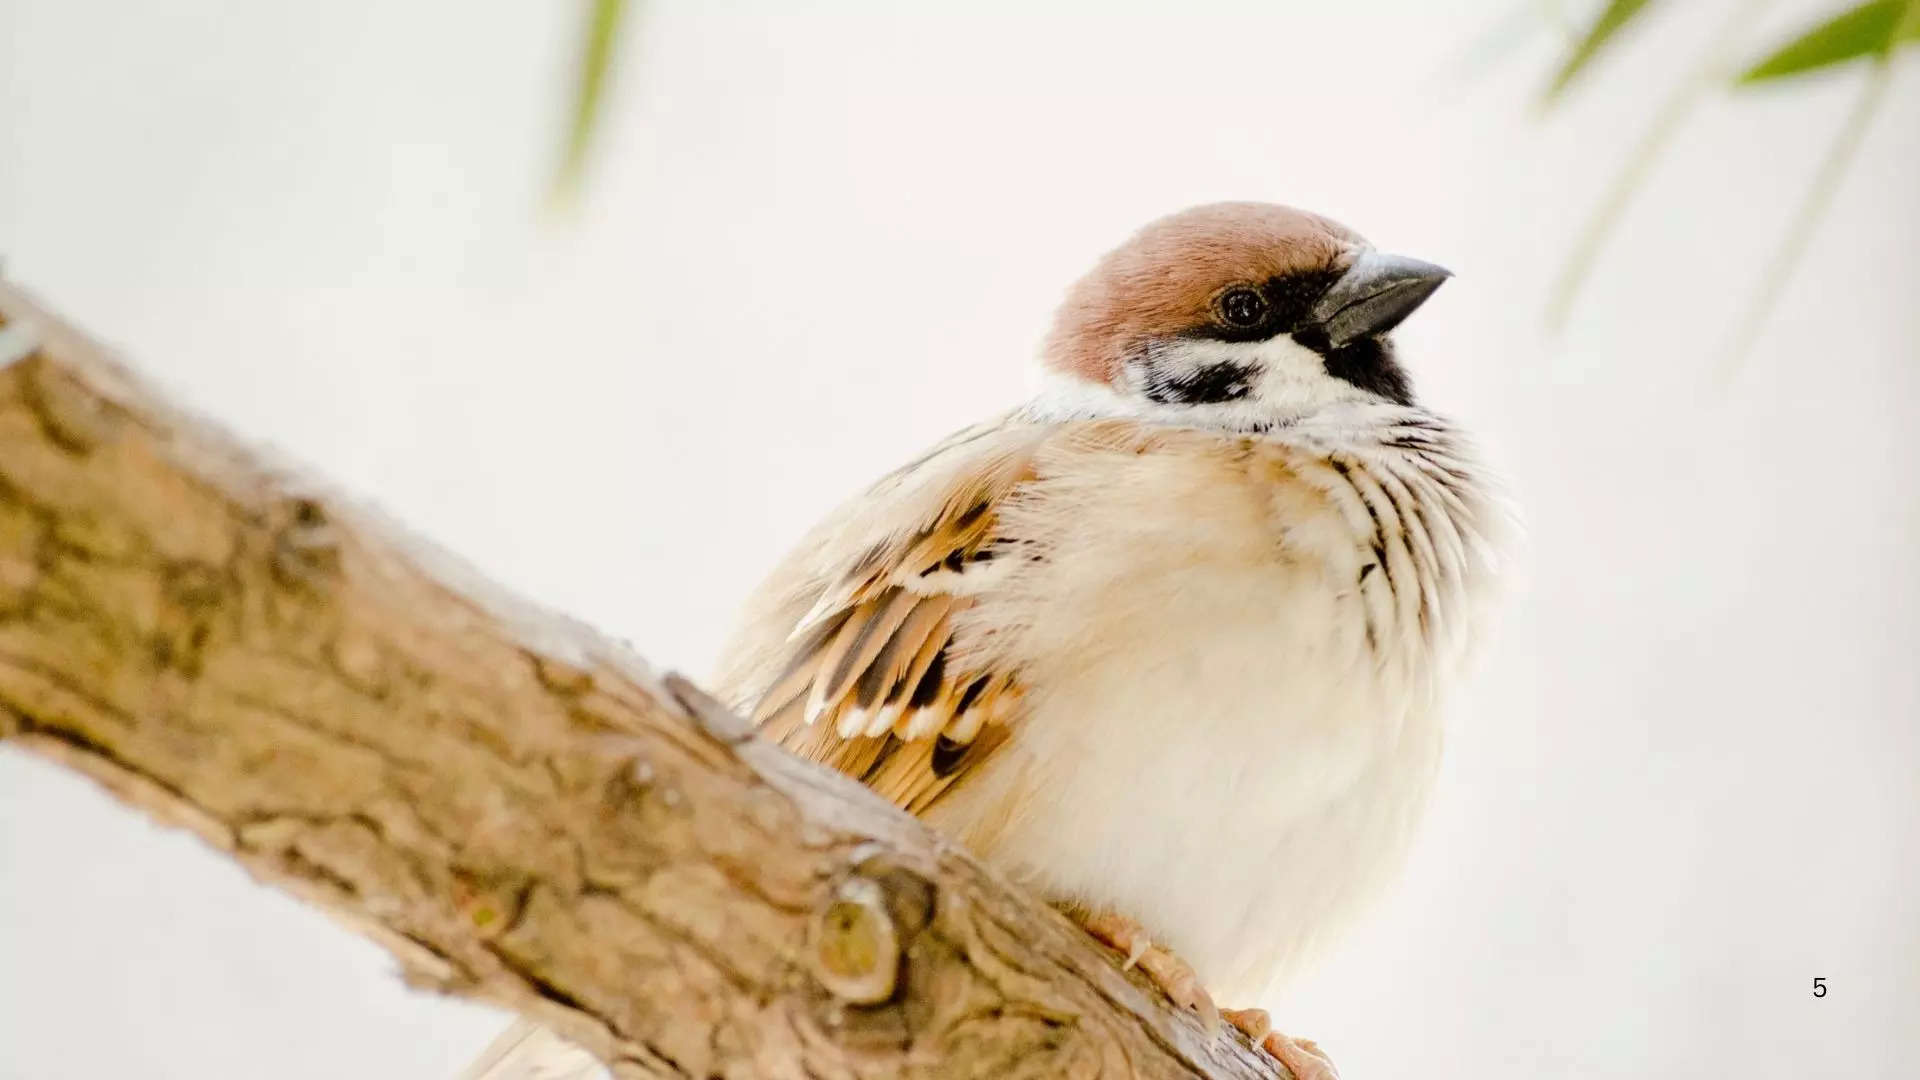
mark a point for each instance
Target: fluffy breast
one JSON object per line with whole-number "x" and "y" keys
{"x": 1233, "y": 649}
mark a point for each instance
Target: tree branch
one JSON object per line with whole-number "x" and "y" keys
{"x": 519, "y": 809}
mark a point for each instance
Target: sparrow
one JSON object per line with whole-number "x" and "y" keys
{"x": 1169, "y": 642}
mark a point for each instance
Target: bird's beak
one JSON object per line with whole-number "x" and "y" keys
{"x": 1373, "y": 296}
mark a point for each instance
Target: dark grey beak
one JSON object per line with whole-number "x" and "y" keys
{"x": 1375, "y": 294}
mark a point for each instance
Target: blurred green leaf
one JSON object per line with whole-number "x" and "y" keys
{"x": 602, "y": 30}
{"x": 1613, "y": 19}
{"x": 1800, "y": 230}
{"x": 1909, "y": 28}
{"x": 1666, "y": 125}
{"x": 1871, "y": 29}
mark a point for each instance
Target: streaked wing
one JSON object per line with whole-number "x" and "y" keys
{"x": 859, "y": 668}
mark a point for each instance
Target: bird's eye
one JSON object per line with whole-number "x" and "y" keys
{"x": 1242, "y": 308}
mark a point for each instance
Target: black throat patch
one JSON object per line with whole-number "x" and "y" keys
{"x": 1367, "y": 363}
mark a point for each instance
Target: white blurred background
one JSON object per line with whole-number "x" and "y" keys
{"x": 1687, "y": 779}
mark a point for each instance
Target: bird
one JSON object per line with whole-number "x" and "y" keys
{"x": 1169, "y": 642}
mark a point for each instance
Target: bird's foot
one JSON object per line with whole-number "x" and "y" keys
{"x": 1302, "y": 1057}
{"x": 1167, "y": 971}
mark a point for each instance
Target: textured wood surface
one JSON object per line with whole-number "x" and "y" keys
{"x": 521, "y": 810}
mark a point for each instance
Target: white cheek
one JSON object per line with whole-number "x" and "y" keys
{"x": 1292, "y": 382}
{"x": 1294, "y": 378}
{"x": 1291, "y": 379}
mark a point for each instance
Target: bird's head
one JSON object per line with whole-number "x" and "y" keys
{"x": 1238, "y": 314}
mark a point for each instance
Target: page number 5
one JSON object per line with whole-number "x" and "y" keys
{"x": 1820, "y": 987}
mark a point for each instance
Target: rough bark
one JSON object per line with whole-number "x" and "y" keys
{"x": 521, "y": 810}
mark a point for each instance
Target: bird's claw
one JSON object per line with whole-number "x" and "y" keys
{"x": 1171, "y": 974}
{"x": 1302, "y": 1057}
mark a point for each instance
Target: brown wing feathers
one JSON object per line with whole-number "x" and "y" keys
{"x": 872, "y": 687}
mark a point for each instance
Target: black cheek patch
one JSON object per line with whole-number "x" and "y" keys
{"x": 1222, "y": 381}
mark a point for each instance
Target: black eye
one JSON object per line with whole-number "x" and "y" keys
{"x": 1242, "y": 308}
